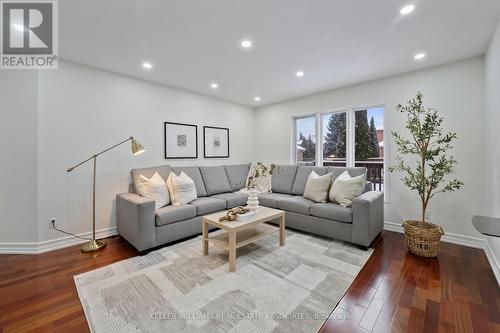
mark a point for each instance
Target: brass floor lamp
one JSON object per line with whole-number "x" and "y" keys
{"x": 96, "y": 245}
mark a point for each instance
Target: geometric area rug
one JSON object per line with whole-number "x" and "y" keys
{"x": 176, "y": 289}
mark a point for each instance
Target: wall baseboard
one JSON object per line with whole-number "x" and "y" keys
{"x": 53, "y": 244}
{"x": 477, "y": 243}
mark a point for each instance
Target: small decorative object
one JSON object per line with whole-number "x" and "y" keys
{"x": 259, "y": 169}
{"x": 95, "y": 245}
{"x": 253, "y": 199}
{"x": 181, "y": 140}
{"x": 216, "y": 142}
{"x": 247, "y": 216}
{"x": 429, "y": 144}
{"x": 232, "y": 213}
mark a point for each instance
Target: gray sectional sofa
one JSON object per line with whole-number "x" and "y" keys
{"x": 146, "y": 227}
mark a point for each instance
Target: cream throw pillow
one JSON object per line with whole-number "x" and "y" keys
{"x": 182, "y": 189}
{"x": 317, "y": 187}
{"x": 154, "y": 188}
{"x": 345, "y": 188}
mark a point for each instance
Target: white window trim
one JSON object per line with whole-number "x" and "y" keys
{"x": 294, "y": 135}
{"x": 350, "y": 144}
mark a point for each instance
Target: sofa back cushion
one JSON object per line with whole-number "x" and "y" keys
{"x": 303, "y": 173}
{"x": 282, "y": 180}
{"x": 353, "y": 171}
{"x": 194, "y": 173}
{"x": 215, "y": 179}
{"x": 237, "y": 175}
{"x": 163, "y": 171}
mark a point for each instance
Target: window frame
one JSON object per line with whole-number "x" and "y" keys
{"x": 294, "y": 135}
{"x": 319, "y": 159}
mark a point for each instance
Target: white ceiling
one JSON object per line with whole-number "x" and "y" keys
{"x": 335, "y": 42}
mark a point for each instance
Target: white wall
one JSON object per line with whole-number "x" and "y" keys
{"x": 84, "y": 110}
{"x": 492, "y": 162}
{"x": 18, "y": 165}
{"x": 456, "y": 90}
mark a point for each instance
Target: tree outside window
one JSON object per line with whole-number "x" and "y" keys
{"x": 335, "y": 139}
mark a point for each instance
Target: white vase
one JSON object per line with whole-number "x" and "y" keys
{"x": 253, "y": 200}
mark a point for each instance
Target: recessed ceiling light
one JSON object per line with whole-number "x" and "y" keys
{"x": 299, "y": 74}
{"x": 246, "y": 44}
{"x": 19, "y": 27}
{"x": 419, "y": 56}
{"x": 407, "y": 9}
{"x": 147, "y": 65}
{"x": 214, "y": 85}
{"x": 256, "y": 98}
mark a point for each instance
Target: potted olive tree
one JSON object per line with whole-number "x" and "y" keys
{"x": 429, "y": 144}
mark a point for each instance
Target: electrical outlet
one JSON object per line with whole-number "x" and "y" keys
{"x": 52, "y": 223}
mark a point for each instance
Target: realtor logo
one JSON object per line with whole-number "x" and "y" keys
{"x": 29, "y": 34}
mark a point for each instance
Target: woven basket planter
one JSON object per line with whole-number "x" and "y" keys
{"x": 423, "y": 240}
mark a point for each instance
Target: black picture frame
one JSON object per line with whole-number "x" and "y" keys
{"x": 205, "y": 153}
{"x": 165, "y": 124}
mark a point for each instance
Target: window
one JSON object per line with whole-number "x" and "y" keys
{"x": 334, "y": 138}
{"x": 305, "y": 150}
{"x": 369, "y": 143}
{"x": 352, "y": 137}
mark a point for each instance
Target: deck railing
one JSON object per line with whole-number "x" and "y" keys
{"x": 374, "y": 172}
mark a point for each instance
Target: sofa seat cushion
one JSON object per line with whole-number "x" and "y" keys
{"x": 332, "y": 211}
{"x": 171, "y": 214}
{"x": 271, "y": 199}
{"x": 208, "y": 205}
{"x": 232, "y": 199}
{"x": 297, "y": 204}
{"x": 215, "y": 179}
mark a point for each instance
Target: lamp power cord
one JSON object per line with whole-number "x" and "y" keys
{"x": 68, "y": 233}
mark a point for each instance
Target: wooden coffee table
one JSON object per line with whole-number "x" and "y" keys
{"x": 235, "y": 234}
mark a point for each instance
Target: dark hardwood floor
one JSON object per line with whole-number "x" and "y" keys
{"x": 395, "y": 291}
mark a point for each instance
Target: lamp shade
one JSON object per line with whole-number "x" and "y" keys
{"x": 137, "y": 148}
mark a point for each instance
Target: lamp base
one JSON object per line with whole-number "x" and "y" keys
{"x": 93, "y": 246}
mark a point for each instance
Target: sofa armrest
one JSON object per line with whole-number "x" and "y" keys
{"x": 368, "y": 217}
{"x": 135, "y": 220}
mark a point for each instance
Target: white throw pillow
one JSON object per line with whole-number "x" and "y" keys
{"x": 345, "y": 188}
{"x": 182, "y": 189}
{"x": 317, "y": 187}
{"x": 154, "y": 188}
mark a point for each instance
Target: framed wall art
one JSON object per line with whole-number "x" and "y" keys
{"x": 180, "y": 140}
{"x": 216, "y": 142}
